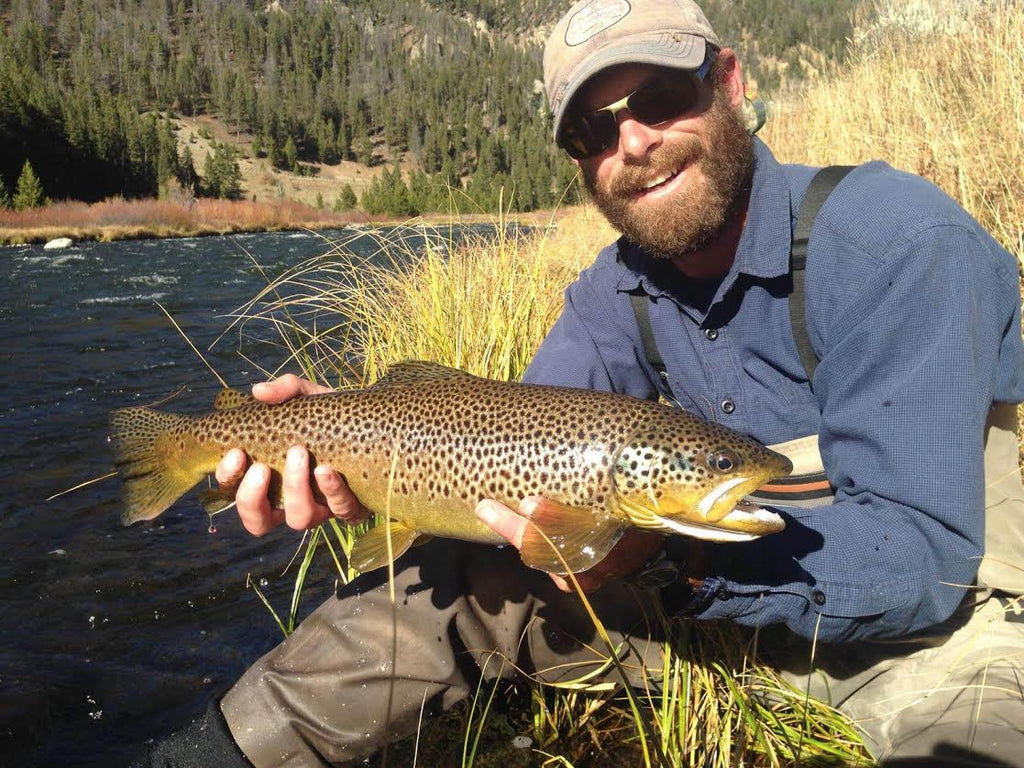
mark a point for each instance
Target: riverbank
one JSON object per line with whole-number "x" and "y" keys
{"x": 119, "y": 219}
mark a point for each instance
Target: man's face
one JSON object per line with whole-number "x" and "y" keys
{"x": 671, "y": 187}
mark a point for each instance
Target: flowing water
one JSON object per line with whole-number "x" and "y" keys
{"x": 113, "y": 636}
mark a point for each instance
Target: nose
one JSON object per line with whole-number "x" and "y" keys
{"x": 636, "y": 140}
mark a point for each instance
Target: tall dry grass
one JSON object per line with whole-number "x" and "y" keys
{"x": 935, "y": 87}
{"x": 481, "y": 302}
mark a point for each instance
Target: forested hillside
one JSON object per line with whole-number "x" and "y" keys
{"x": 90, "y": 89}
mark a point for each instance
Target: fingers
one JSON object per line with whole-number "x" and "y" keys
{"x": 285, "y": 388}
{"x": 503, "y": 520}
{"x": 250, "y": 486}
{"x": 232, "y": 467}
{"x": 340, "y": 500}
{"x": 511, "y": 524}
{"x": 252, "y": 503}
{"x": 629, "y": 553}
{"x": 301, "y": 510}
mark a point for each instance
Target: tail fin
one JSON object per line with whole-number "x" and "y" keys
{"x": 154, "y": 454}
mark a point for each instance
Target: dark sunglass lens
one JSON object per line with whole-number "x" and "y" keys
{"x": 663, "y": 100}
{"x": 587, "y": 135}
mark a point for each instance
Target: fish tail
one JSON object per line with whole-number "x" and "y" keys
{"x": 158, "y": 459}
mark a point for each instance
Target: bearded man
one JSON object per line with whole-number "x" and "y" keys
{"x": 911, "y": 323}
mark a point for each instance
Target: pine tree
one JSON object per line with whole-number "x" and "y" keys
{"x": 223, "y": 176}
{"x": 290, "y": 155}
{"x": 364, "y": 149}
{"x": 343, "y": 142}
{"x": 5, "y": 196}
{"x": 187, "y": 170}
{"x": 346, "y": 199}
{"x": 29, "y": 192}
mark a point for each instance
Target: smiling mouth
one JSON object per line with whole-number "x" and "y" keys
{"x": 659, "y": 181}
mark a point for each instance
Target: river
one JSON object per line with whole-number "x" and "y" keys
{"x": 113, "y": 636}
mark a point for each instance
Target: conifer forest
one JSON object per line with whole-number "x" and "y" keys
{"x": 452, "y": 91}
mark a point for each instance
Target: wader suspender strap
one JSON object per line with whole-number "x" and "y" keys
{"x": 642, "y": 311}
{"x": 821, "y": 187}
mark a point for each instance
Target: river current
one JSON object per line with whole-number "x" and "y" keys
{"x": 113, "y": 636}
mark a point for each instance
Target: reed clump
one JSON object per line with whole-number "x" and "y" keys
{"x": 479, "y": 300}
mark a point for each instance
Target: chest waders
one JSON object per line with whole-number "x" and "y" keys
{"x": 955, "y": 690}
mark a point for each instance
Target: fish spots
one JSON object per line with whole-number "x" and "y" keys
{"x": 459, "y": 439}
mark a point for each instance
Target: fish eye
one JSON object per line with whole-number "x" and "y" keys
{"x": 723, "y": 461}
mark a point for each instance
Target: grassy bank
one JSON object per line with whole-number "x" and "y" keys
{"x": 119, "y": 219}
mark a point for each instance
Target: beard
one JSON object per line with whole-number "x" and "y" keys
{"x": 689, "y": 220}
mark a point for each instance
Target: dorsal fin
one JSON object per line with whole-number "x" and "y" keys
{"x": 232, "y": 398}
{"x": 413, "y": 371}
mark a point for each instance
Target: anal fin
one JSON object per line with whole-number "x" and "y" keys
{"x": 561, "y": 538}
{"x": 371, "y": 549}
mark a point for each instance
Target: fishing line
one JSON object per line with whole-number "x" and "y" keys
{"x": 193, "y": 346}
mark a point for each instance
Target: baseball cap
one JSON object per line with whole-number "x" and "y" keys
{"x": 597, "y": 34}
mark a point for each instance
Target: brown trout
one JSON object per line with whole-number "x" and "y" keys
{"x": 426, "y": 443}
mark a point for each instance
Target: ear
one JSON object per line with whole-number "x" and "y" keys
{"x": 730, "y": 76}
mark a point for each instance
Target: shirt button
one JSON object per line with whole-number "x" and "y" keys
{"x": 818, "y": 597}
{"x": 710, "y": 334}
{"x": 728, "y": 406}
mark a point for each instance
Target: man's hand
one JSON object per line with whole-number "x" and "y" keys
{"x": 301, "y": 511}
{"x": 634, "y": 549}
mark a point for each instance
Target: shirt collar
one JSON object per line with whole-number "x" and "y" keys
{"x": 764, "y": 246}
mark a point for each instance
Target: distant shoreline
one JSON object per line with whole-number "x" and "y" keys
{"x": 149, "y": 219}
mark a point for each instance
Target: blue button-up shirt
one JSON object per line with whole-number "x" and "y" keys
{"x": 913, "y": 310}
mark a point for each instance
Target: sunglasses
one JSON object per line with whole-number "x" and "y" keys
{"x": 664, "y": 98}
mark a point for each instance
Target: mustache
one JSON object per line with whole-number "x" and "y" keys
{"x": 667, "y": 158}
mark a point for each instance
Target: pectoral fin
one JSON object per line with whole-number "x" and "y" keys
{"x": 371, "y": 549}
{"x": 560, "y": 538}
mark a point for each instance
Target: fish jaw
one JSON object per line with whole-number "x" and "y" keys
{"x": 719, "y": 515}
{"x": 725, "y": 506}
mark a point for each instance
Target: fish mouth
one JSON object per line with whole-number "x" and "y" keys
{"x": 726, "y": 514}
{"x": 745, "y": 522}
{"x": 737, "y": 518}
{"x": 727, "y": 506}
